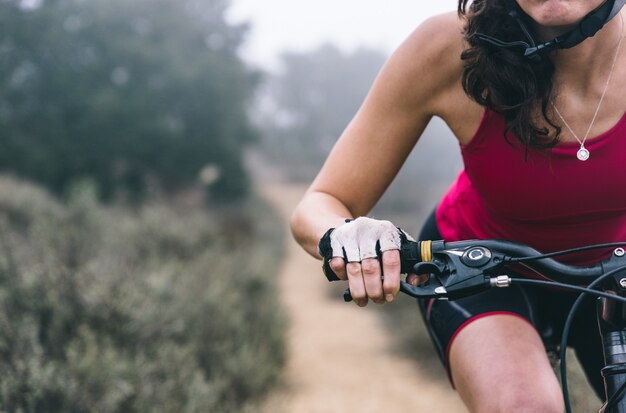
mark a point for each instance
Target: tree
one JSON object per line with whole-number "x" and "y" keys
{"x": 130, "y": 93}
{"x": 304, "y": 108}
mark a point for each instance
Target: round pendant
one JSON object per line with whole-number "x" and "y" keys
{"x": 582, "y": 154}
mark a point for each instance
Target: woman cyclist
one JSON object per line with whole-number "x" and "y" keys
{"x": 534, "y": 92}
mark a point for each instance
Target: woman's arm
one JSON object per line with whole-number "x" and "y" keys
{"x": 411, "y": 88}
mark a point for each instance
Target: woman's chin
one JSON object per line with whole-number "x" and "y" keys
{"x": 558, "y": 14}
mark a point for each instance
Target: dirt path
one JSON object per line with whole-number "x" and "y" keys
{"x": 340, "y": 359}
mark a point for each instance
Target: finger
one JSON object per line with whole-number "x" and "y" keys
{"x": 391, "y": 274}
{"x": 355, "y": 282}
{"x": 370, "y": 268}
{"x": 338, "y": 265}
{"x": 416, "y": 280}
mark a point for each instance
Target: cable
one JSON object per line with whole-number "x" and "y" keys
{"x": 499, "y": 43}
{"x": 564, "y": 252}
{"x": 584, "y": 290}
{"x": 570, "y": 318}
{"x": 566, "y": 329}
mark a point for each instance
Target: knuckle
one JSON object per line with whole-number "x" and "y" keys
{"x": 353, "y": 269}
{"x": 337, "y": 264}
{"x": 391, "y": 259}
{"x": 370, "y": 267}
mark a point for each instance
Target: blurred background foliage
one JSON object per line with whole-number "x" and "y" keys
{"x": 132, "y": 94}
{"x": 107, "y": 310}
{"x": 162, "y": 298}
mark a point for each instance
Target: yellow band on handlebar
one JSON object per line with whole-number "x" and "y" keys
{"x": 426, "y": 250}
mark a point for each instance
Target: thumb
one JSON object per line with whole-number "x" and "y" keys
{"x": 416, "y": 280}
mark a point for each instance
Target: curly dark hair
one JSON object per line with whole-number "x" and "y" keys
{"x": 503, "y": 80}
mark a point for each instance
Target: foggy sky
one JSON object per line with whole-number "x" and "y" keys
{"x": 299, "y": 25}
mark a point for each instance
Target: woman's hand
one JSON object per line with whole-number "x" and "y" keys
{"x": 365, "y": 252}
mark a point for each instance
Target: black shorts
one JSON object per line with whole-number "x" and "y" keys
{"x": 545, "y": 309}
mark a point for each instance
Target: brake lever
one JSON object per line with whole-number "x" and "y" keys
{"x": 432, "y": 288}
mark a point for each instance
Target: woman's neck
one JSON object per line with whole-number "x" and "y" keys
{"x": 592, "y": 58}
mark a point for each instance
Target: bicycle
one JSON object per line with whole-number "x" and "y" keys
{"x": 461, "y": 268}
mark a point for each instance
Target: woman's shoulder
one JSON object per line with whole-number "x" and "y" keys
{"x": 427, "y": 66}
{"x": 427, "y": 70}
{"x": 438, "y": 43}
{"x": 442, "y": 32}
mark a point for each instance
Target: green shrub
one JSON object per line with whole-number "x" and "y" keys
{"x": 108, "y": 310}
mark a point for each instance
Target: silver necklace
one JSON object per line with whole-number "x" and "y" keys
{"x": 583, "y": 153}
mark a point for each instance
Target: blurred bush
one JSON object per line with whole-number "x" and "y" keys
{"x": 156, "y": 310}
{"x": 130, "y": 93}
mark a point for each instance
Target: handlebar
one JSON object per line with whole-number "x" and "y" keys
{"x": 461, "y": 268}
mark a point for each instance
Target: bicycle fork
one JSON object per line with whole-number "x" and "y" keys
{"x": 612, "y": 324}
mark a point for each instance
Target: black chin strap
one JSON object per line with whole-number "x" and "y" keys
{"x": 587, "y": 27}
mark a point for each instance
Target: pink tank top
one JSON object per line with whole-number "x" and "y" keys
{"x": 550, "y": 201}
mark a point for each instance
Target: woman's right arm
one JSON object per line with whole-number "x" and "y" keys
{"x": 410, "y": 89}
